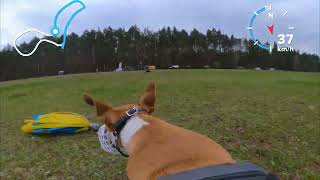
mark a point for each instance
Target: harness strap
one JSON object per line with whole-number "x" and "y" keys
{"x": 120, "y": 151}
{"x": 121, "y": 123}
{"x": 240, "y": 171}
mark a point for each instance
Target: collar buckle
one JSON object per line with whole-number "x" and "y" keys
{"x": 132, "y": 112}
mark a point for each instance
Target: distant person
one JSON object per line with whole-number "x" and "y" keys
{"x": 119, "y": 69}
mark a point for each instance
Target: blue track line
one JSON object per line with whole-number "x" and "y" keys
{"x": 56, "y": 31}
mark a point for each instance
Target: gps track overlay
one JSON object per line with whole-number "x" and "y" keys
{"x": 55, "y": 31}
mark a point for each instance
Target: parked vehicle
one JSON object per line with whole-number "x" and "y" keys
{"x": 174, "y": 67}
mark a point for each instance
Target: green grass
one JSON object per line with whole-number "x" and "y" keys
{"x": 269, "y": 118}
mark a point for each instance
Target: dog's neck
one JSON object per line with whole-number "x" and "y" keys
{"x": 131, "y": 128}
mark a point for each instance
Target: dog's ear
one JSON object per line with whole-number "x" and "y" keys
{"x": 100, "y": 106}
{"x": 148, "y": 99}
{"x": 88, "y": 99}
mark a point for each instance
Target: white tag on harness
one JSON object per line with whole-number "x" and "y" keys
{"x": 108, "y": 141}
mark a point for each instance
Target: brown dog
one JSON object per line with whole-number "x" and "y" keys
{"x": 157, "y": 148}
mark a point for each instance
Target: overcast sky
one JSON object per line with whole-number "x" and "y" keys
{"x": 230, "y": 16}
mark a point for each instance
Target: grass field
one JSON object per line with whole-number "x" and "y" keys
{"x": 269, "y": 118}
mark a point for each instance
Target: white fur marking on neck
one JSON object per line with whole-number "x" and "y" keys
{"x": 134, "y": 124}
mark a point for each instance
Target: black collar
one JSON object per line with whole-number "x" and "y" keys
{"x": 121, "y": 123}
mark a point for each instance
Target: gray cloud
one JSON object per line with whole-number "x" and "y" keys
{"x": 229, "y": 16}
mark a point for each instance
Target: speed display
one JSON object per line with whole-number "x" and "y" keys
{"x": 276, "y": 31}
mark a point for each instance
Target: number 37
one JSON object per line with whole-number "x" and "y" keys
{"x": 282, "y": 38}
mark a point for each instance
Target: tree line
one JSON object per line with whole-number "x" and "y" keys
{"x": 102, "y": 50}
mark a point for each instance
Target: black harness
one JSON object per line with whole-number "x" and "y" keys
{"x": 121, "y": 123}
{"x": 240, "y": 171}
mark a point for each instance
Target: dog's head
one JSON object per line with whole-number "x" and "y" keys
{"x": 109, "y": 114}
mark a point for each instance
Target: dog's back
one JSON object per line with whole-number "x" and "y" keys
{"x": 161, "y": 148}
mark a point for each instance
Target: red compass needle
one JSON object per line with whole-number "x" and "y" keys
{"x": 270, "y": 28}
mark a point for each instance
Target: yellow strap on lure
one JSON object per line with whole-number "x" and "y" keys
{"x": 56, "y": 120}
